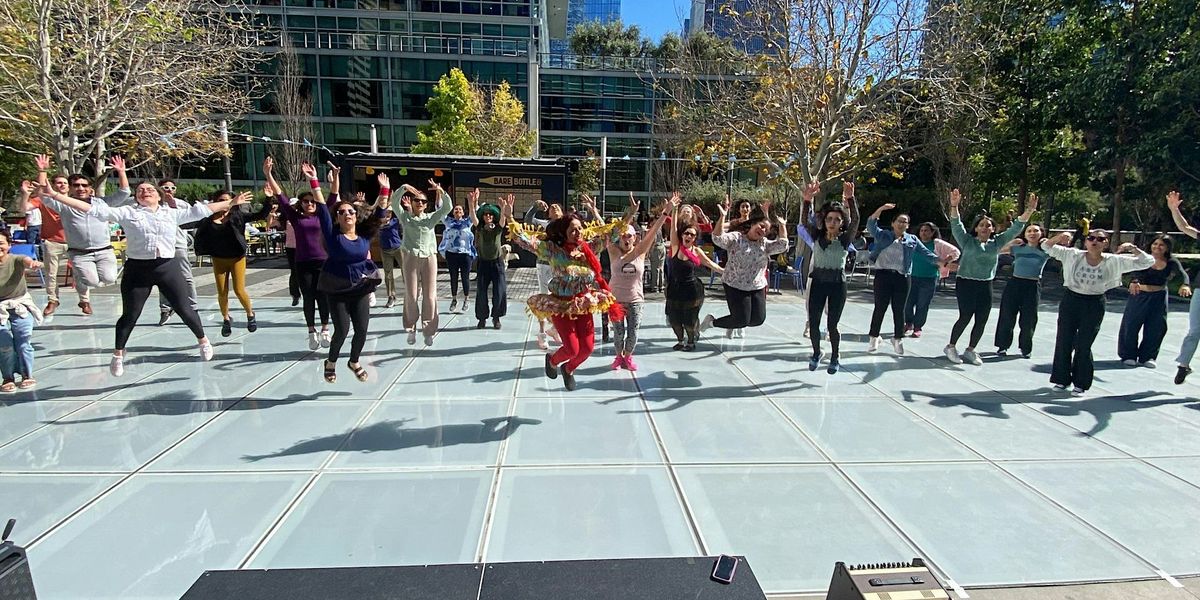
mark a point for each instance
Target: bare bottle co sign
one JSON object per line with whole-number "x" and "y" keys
{"x": 511, "y": 182}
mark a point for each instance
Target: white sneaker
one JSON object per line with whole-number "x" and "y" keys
{"x": 972, "y": 357}
{"x": 898, "y": 346}
{"x": 314, "y": 340}
{"x": 206, "y": 351}
{"x": 541, "y": 341}
{"x": 952, "y": 355}
{"x": 116, "y": 366}
{"x": 873, "y": 345}
{"x": 1150, "y": 364}
{"x": 739, "y": 332}
{"x": 412, "y": 337}
{"x": 454, "y": 305}
{"x": 707, "y": 323}
{"x": 326, "y": 339}
{"x": 1058, "y": 387}
{"x": 1078, "y": 391}
{"x": 372, "y": 301}
{"x": 1129, "y": 362}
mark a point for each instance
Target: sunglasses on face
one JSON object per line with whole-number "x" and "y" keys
{"x": 308, "y": 201}
{"x": 168, "y": 188}
{"x": 1096, "y": 238}
{"x": 81, "y": 185}
{"x": 347, "y": 211}
{"x": 689, "y": 233}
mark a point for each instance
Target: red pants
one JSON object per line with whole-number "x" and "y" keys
{"x": 578, "y": 339}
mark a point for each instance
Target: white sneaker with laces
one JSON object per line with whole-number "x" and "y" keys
{"x": 206, "y": 351}
{"x": 873, "y": 345}
{"x": 1150, "y": 364}
{"x": 952, "y": 355}
{"x": 116, "y": 366}
{"x": 314, "y": 340}
{"x": 970, "y": 356}
{"x": 372, "y": 301}
{"x": 326, "y": 339}
{"x": 898, "y": 346}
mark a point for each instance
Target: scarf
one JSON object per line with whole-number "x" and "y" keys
{"x": 688, "y": 254}
{"x": 615, "y": 311}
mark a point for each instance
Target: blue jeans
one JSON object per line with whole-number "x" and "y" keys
{"x": 16, "y": 346}
{"x": 920, "y": 295}
{"x": 1193, "y": 335}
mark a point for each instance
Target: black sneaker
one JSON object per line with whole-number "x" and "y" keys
{"x": 569, "y": 380}
{"x": 814, "y": 362}
{"x": 1182, "y": 374}
{"x": 551, "y": 370}
{"x": 678, "y": 346}
{"x": 251, "y": 324}
{"x": 164, "y": 316}
{"x": 481, "y": 324}
{"x": 295, "y": 300}
{"x": 833, "y": 366}
{"x": 226, "y": 328}
{"x": 1001, "y": 351}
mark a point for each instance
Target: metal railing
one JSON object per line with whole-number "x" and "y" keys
{"x": 395, "y": 42}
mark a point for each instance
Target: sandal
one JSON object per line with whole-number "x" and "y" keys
{"x": 678, "y": 346}
{"x": 27, "y": 383}
{"x": 330, "y": 372}
{"x": 358, "y": 370}
{"x": 8, "y": 386}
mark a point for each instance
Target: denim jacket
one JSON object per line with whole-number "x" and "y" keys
{"x": 912, "y": 245}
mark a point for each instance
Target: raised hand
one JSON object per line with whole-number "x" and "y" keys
{"x": 886, "y": 207}
{"x": 1174, "y": 200}
{"x": 810, "y": 191}
{"x": 405, "y": 203}
{"x": 334, "y": 170}
{"x": 1127, "y": 247}
{"x": 360, "y": 197}
{"x": 847, "y": 190}
{"x": 28, "y": 187}
{"x": 1063, "y": 238}
{"x": 268, "y": 165}
{"x": 308, "y": 170}
{"x": 722, "y": 210}
{"x": 955, "y": 198}
{"x": 1032, "y": 205}
{"x": 541, "y": 205}
{"x": 473, "y": 198}
{"x": 433, "y": 184}
{"x": 242, "y": 198}
{"x": 117, "y": 163}
{"x": 42, "y": 161}
{"x": 384, "y": 181}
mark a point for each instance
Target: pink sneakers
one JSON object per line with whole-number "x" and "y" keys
{"x": 624, "y": 362}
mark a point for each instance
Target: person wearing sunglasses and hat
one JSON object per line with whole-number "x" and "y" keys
{"x": 490, "y": 222}
{"x": 419, "y": 263}
{"x": 1087, "y": 275}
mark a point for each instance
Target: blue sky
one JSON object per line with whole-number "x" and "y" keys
{"x": 655, "y": 17}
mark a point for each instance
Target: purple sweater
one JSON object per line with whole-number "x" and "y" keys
{"x": 309, "y": 242}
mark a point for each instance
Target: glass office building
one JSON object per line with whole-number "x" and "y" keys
{"x": 375, "y": 62}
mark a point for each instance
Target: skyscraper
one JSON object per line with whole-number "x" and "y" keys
{"x": 706, "y": 15}
{"x": 569, "y": 14}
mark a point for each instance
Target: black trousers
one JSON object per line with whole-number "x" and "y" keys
{"x": 1145, "y": 313}
{"x": 139, "y": 278}
{"x": 1079, "y": 319}
{"x": 490, "y": 277}
{"x": 347, "y": 309}
{"x": 822, "y": 296}
{"x": 891, "y": 289}
{"x": 460, "y": 266}
{"x": 293, "y": 280}
{"x": 974, "y": 302}
{"x": 1018, "y": 304}
{"x": 308, "y": 272}
{"x": 746, "y": 309}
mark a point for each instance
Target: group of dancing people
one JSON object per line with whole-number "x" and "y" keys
{"x": 586, "y": 267}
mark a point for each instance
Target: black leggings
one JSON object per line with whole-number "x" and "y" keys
{"x": 293, "y": 281}
{"x": 891, "y": 289}
{"x": 1018, "y": 303}
{"x": 974, "y": 302}
{"x": 746, "y": 309}
{"x": 348, "y": 308}
{"x": 142, "y": 275}
{"x": 821, "y": 293}
{"x": 460, "y": 265}
{"x": 307, "y": 274}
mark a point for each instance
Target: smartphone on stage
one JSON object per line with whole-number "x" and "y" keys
{"x": 724, "y": 569}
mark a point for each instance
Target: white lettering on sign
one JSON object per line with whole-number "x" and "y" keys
{"x": 509, "y": 181}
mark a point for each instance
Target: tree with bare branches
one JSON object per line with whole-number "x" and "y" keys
{"x": 836, "y": 89}
{"x": 83, "y": 78}
{"x": 294, "y": 103}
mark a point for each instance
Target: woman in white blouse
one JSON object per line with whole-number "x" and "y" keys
{"x": 745, "y": 276}
{"x": 1087, "y": 274}
{"x": 150, "y": 230}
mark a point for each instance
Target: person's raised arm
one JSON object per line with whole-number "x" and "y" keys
{"x": 200, "y": 210}
{"x": 310, "y": 173}
{"x": 956, "y": 225}
{"x": 647, "y": 240}
{"x": 506, "y": 209}
{"x": 1018, "y": 225}
{"x": 261, "y": 213}
{"x": 673, "y": 237}
{"x": 1030, "y": 208}
{"x": 122, "y": 195}
{"x": 25, "y": 194}
{"x": 1175, "y": 203}
{"x": 268, "y": 168}
{"x": 851, "y": 202}
{"x": 473, "y": 206}
{"x": 43, "y": 167}
{"x": 1058, "y": 246}
{"x": 64, "y": 199}
{"x": 719, "y": 227}
{"x": 335, "y": 179}
{"x": 808, "y": 196}
{"x": 707, "y": 262}
{"x": 631, "y": 211}
{"x": 873, "y": 220}
{"x": 445, "y": 203}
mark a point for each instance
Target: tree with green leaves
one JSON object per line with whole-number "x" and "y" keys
{"x": 469, "y": 120}
{"x": 586, "y": 178}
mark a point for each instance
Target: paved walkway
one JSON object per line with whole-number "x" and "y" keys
{"x": 463, "y": 451}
